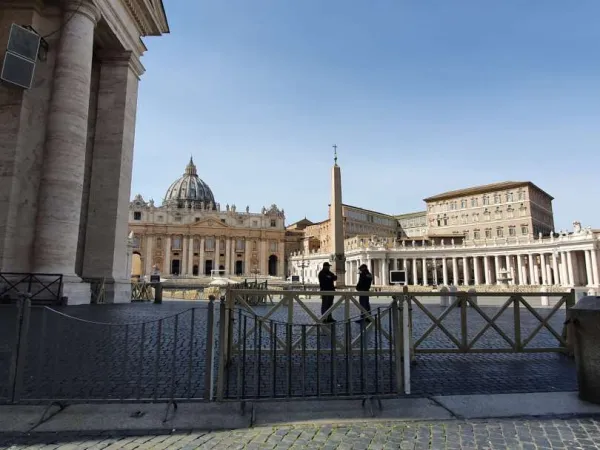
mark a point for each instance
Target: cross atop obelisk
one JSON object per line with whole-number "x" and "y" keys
{"x": 338, "y": 258}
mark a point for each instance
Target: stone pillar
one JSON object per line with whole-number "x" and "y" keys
{"x": 280, "y": 261}
{"x": 588, "y": 268}
{"x": 384, "y": 270}
{"x": 227, "y": 257}
{"x": 509, "y": 269}
{"x": 167, "y": 260}
{"x": 532, "y": 279}
{"x": 62, "y": 177}
{"x": 570, "y": 268}
{"x": 110, "y": 181}
{"x": 414, "y": 271}
{"x": 476, "y": 270}
{"x": 201, "y": 261}
{"x": 555, "y": 270}
{"x": 217, "y": 253}
{"x": 264, "y": 263}
{"x": 248, "y": 256}
{"x": 543, "y": 269}
{"x": 465, "y": 271}
{"x": 148, "y": 259}
{"x": 183, "y": 266}
{"x": 595, "y": 272}
{"x": 454, "y": 271}
{"x": 424, "y": 272}
{"x": 486, "y": 270}
{"x": 444, "y": 271}
{"x": 190, "y": 264}
{"x": 536, "y": 273}
{"x": 520, "y": 270}
{"x": 497, "y": 269}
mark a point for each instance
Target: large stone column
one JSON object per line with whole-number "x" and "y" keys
{"x": 444, "y": 271}
{"x": 112, "y": 163}
{"x": 588, "y": 268}
{"x": 543, "y": 268}
{"x": 454, "y": 271}
{"x": 148, "y": 260}
{"x": 415, "y": 272}
{"x": 521, "y": 281}
{"x": 217, "y": 253}
{"x": 61, "y": 189}
{"x": 424, "y": 271}
{"x": 595, "y": 273}
{"x": 190, "y": 264}
{"x": 227, "y": 257}
{"x": 248, "y": 256}
{"x": 466, "y": 277}
{"x": 476, "y": 271}
{"x": 532, "y": 279}
{"x": 486, "y": 270}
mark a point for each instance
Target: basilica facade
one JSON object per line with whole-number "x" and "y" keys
{"x": 191, "y": 235}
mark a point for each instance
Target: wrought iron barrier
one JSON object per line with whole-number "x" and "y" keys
{"x": 267, "y": 358}
{"x": 44, "y": 288}
{"x": 56, "y": 358}
{"x": 142, "y": 291}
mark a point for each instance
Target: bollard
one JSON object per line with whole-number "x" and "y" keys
{"x": 472, "y": 293}
{"x": 444, "y": 298}
{"x": 544, "y": 298}
{"x": 158, "y": 293}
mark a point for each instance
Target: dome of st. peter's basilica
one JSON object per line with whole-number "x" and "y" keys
{"x": 189, "y": 190}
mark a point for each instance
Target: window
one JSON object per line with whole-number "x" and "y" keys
{"x": 196, "y": 244}
{"x": 488, "y": 233}
{"x": 510, "y": 213}
{"x": 196, "y": 219}
{"x": 273, "y": 222}
{"x": 273, "y": 246}
{"x": 254, "y": 245}
{"x": 209, "y": 244}
{"x": 158, "y": 242}
{"x": 239, "y": 245}
{"x": 464, "y": 218}
{"x": 521, "y": 195}
{"x": 476, "y": 234}
{"x": 486, "y": 200}
{"x": 509, "y": 197}
{"x": 463, "y": 204}
{"x": 476, "y": 217}
{"x": 177, "y": 218}
{"x": 160, "y": 218}
{"x": 486, "y": 215}
{"x": 497, "y": 214}
{"x": 499, "y": 232}
{"x": 474, "y": 202}
{"x": 137, "y": 215}
{"x": 176, "y": 244}
{"x": 222, "y": 220}
{"x": 512, "y": 231}
{"x": 136, "y": 241}
{"x": 523, "y": 211}
{"x": 496, "y": 198}
{"x": 524, "y": 230}
{"x": 445, "y": 221}
{"x": 466, "y": 235}
{"x": 255, "y": 223}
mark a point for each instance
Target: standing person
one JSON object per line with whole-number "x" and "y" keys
{"x": 326, "y": 279}
{"x": 365, "y": 279}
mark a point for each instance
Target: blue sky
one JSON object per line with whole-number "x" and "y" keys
{"x": 421, "y": 97}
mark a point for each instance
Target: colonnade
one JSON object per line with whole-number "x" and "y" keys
{"x": 567, "y": 268}
{"x": 198, "y": 255}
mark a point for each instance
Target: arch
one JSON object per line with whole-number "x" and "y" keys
{"x": 136, "y": 265}
{"x": 273, "y": 260}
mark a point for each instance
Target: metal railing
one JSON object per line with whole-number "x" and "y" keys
{"x": 56, "y": 358}
{"x": 43, "y": 288}
{"x": 282, "y": 350}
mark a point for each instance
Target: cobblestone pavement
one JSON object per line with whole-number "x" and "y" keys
{"x": 155, "y": 351}
{"x": 556, "y": 434}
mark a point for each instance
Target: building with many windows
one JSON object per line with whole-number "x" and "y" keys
{"x": 192, "y": 235}
{"x": 497, "y": 234}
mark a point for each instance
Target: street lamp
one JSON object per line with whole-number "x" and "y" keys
{"x": 303, "y": 266}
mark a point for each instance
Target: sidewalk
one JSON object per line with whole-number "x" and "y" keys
{"x": 548, "y": 420}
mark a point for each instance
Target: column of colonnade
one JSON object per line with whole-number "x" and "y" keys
{"x": 193, "y": 252}
{"x": 566, "y": 268}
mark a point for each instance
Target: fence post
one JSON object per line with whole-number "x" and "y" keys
{"x": 464, "y": 333}
{"x": 158, "y": 293}
{"x": 517, "y": 322}
{"x": 19, "y": 356}
{"x": 568, "y": 331}
{"x": 398, "y": 344}
{"x": 223, "y": 326}
{"x": 209, "y": 371}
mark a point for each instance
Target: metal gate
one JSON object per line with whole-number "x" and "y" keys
{"x": 263, "y": 358}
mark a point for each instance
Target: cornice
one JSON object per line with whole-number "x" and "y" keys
{"x": 150, "y": 18}
{"x": 122, "y": 58}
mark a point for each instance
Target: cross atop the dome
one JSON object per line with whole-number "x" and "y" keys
{"x": 335, "y": 154}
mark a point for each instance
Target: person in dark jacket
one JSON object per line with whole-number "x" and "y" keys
{"x": 365, "y": 279}
{"x": 326, "y": 283}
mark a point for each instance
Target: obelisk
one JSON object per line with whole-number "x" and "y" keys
{"x": 338, "y": 258}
